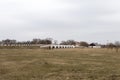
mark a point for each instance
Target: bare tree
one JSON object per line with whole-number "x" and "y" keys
{"x": 55, "y": 42}
{"x": 42, "y": 41}
{"x": 83, "y": 43}
{"x": 68, "y": 42}
{"x": 110, "y": 45}
{"x": 117, "y": 46}
{"x": 8, "y": 42}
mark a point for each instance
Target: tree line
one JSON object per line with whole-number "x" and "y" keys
{"x": 34, "y": 41}
{"x": 67, "y": 42}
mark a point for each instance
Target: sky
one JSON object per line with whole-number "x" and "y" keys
{"x": 80, "y": 20}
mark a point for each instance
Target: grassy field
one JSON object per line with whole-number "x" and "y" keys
{"x": 59, "y": 64}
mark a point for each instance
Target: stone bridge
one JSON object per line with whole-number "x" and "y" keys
{"x": 57, "y": 46}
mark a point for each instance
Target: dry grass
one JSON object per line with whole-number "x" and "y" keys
{"x": 60, "y": 64}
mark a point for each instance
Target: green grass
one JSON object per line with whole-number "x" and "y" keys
{"x": 59, "y": 64}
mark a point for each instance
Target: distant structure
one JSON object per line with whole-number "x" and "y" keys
{"x": 57, "y": 46}
{"x": 47, "y": 44}
{"x": 94, "y": 45}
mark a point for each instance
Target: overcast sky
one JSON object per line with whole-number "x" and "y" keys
{"x": 81, "y": 20}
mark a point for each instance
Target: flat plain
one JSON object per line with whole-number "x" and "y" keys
{"x": 59, "y": 64}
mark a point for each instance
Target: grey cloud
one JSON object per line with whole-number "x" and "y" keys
{"x": 60, "y": 19}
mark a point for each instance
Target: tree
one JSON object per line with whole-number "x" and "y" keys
{"x": 42, "y": 41}
{"x": 71, "y": 42}
{"x": 55, "y": 42}
{"x": 110, "y": 45}
{"x": 35, "y": 41}
{"x": 47, "y": 41}
{"x": 8, "y": 41}
{"x": 85, "y": 44}
{"x": 117, "y": 46}
{"x": 68, "y": 42}
{"x": 63, "y": 43}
